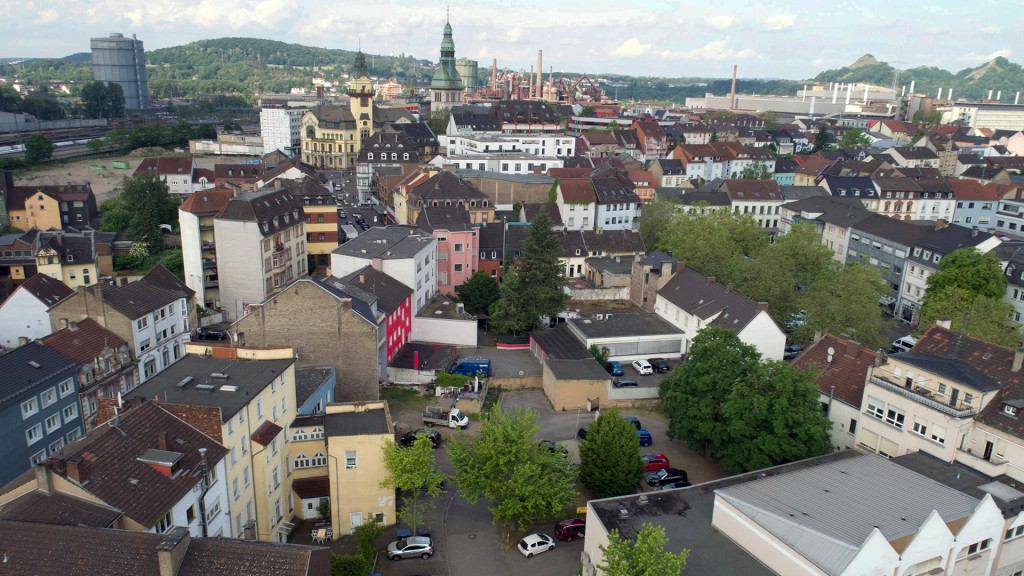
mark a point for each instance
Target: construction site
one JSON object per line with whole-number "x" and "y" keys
{"x": 508, "y": 84}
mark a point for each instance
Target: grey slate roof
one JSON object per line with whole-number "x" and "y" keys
{"x": 827, "y": 512}
{"x": 951, "y": 368}
{"x": 559, "y": 344}
{"x": 136, "y": 299}
{"x": 28, "y": 368}
{"x": 362, "y": 301}
{"x": 47, "y": 290}
{"x": 700, "y": 296}
{"x": 250, "y": 376}
{"x": 390, "y": 293}
{"x": 891, "y": 229}
{"x": 1007, "y": 492}
{"x": 386, "y": 242}
{"x": 308, "y": 380}
{"x": 843, "y": 212}
{"x": 612, "y": 265}
{"x": 952, "y": 238}
{"x": 614, "y": 241}
{"x": 624, "y": 325}
{"x": 357, "y": 423}
{"x": 274, "y": 209}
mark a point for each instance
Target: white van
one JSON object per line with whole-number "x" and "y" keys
{"x": 903, "y": 344}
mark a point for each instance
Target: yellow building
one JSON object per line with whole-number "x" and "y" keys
{"x": 356, "y": 435}
{"x": 320, "y": 208}
{"x": 76, "y": 258}
{"x": 245, "y": 398}
{"x": 35, "y": 210}
{"x": 307, "y": 453}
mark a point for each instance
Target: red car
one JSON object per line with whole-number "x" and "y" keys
{"x": 654, "y": 462}
{"x": 570, "y": 530}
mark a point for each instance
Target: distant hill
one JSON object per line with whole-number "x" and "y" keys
{"x": 79, "y": 58}
{"x": 997, "y": 74}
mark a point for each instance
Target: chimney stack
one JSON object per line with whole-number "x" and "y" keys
{"x": 944, "y": 323}
{"x": 711, "y": 280}
{"x": 44, "y": 482}
{"x": 540, "y": 75}
{"x": 879, "y": 357}
{"x": 852, "y": 347}
{"x": 76, "y": 470}
{"x": 912, "y": 86}
{"x": 732, "y": 93}
{"x": 940, "y": 224}
{"x": 170, "y": 552}
{"x": 728, "y": 288}
{"x": 1018, "y": 360}
{"x": 494, "y": 74}
{"x": 762, "y": 306}
{"x": 161, "y": 441}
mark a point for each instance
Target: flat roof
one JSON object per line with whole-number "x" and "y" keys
{"x": 357, "y": 423}
{"x": 1007, "y": 492}
{"x": 625, "y": 325}
{"x": 191, "y": 380}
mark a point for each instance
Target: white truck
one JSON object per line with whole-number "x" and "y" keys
{"x": 452, "y": 418}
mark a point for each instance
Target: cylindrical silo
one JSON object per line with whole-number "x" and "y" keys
{"x": 467, "y": 69}
{"x": 122, "y": 61}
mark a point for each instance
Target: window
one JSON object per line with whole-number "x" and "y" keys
{"x": 1015, "y": 532}
{"x": 968, "y": 397}
{"x": 245, "y": 476}
{"x": 190, "y": 514}
{"x": 234, "y": 456}
{"x": 942, "y": 389}
{"x": 853, "y": 426}
{"x": 213, "y": 510}
{"x": 895, "y": 417}
{"x": 259, "y": 408}
{"x": 234, "y": 489}
{"x": 284, "y": 405}
{"x": 34, "y": 434}
{"x": 142, "y": 322}
{"x": 70, "y": 412}
{"x": 920, "y": 427}
{"x": 975, "y": 548}
{"x": 29, "y": 407}
{"x": 458, "y": 267}
{"x": 938, "y": 435}
{"x": 38, "y": 457}
{"x": 164, "y": 524}
{"x": 876, "y": 408}
{"x": 49, "y": 397}
{"x": 351, "y": 460}
{"x": 52, "y": 423}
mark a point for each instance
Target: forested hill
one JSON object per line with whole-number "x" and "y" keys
{"x": 997, "y": 74}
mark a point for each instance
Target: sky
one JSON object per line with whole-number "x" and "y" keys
{"x": 793, "y": 39}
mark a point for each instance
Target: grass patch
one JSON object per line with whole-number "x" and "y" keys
{"x": 404, "y": 399}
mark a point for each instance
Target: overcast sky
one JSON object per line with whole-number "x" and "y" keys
{"x": 786, "y": 39}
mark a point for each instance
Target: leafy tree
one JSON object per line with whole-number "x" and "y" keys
{"x": 479, "y": 292}
{"x": 10, "y": 101}
{"x": 823, "y": 139}
{"x": 439, "y": 120}
{"x": 610, "y": 456}
{"x": 600, "y": 354}
{"x": 777, "y": 270}
{"x": 967, "y": 268}
{"x": 142, "y": 204}
{"x": 38, "y": 149}
{"x": 656, "y": 220}
{"x": 978, "y": 316}
{"x": 348, "y": 565}
{"x": 772, "y": 416}
{"x": 771, "y": 120}
{"x": 694, "y": 394}
{"x": 715, "y": 243}
{"x": 853, "y": 138}
{"x": 503, "y": 464}
{"x": 756, "y": 171}
{"x": 644, "y": 557}
{"x": 845, "y": 300}
{"x": 535, "y": 289}
{"x": 413, "y": 470}
{"x": 588, "y": 112}
{"x": 367, "y": 534}
{"x": 103, "y": 100}
{"x": 714, "y": 136}
{"x": 516, "y": 209}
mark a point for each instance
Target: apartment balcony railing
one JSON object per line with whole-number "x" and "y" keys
{"x": 209, "y": 264}
{"x": 923, "y": 396}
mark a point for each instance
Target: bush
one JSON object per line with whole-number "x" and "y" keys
{"x": 366, "y": 537}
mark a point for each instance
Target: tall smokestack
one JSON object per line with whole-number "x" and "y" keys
{"x": 949, "y": 95}
{"x": 540, "y": 74}
{"x": 999, "y": 95}
{"x": 732, "y": 93}
{"x": 1016, "y": 99}
{"x": 811, "y": 111}
{"x": 494, "y": 74}
{"x": 903, "y": 92}
{"x": 912, "y": 86}
{"x": 939, "y": 97}
{"x": 849, "y": 93}
{"x": 835, "y": 93}
{"x": 803, "y": 95}
{"x": 866, "y": 87}
{"x": 989, "y": 94}
{"x": 551, "y": 83}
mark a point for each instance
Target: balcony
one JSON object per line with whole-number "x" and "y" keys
{"x": 923, "y": 396}
{"x": 208, "y": 245}
{"x": 993, "y": 466}
{"x": 206, "y": 227}
{"x": 209, "y": 264}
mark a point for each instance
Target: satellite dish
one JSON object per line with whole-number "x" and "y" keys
{"x": 831, "y": 352}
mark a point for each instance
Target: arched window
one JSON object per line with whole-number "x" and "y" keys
{"x": 910, "y": 206}
{"x": 310, "y": 132}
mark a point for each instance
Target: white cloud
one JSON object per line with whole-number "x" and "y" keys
{"x": 992, "y": 29}
{"x": 632, "y": 47}
{"x": 513, "y": 34}
{"x": 47, "y": 16}
{"x": 779, "y": 22}
{"x": 714, "y": 50}
{"x": 720, "y": 21}
{"x": 976, "y": 59}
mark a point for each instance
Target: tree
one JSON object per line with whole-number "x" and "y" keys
{"x": 693, "y": 394}
{"x": 845, "y": 300}
{"x": 413, "y": 470}
{"x": 10, "y": 100}
{"x": 103, "y": 100}
{"x": 610, "y": 456}
{"x": 777, "y": 272}
{"x": 439, "y": 120}
{"x": 773, "y": 416}
{"x": 38, "y": 149}
{"x": 714, "y": 136}
{"x": 644, "y": 557}
{"x": 979, "y": 273}
{"x": 600, "y": 354}
{"x": 587, "y": 112}
{"x": 479, "y": 292}
{"x": 534, "y": 290}
{"x": 853, "y": 138}
{"x": 348, "y": 565}
{"x": 367, "y": 534}
{"x": 115, "y": 100}
{"x": 503, "y": 464}
{"x": 715, "y": 243}
{"x": 823, "y": 139}
{"x": 771, "y": 120}
{"x": 756, "y": 171}
{"x": 142, "y": 204}
{"x": 655, "y": 222}
{"x": 978, "y": 316}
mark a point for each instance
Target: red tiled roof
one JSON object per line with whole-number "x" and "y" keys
{"x": 972, "y": 190}
{"x": 206, "y": 419}
{"x": 847, "y": 370}
{"x": 315, "y": 487}
{"x": 740, "y": 189}
{"x": 207, "y": 202}
{"x": 165, "y": 165}
{"x": 576, "y": 190}
{"x": 557, "y": 173}
{"x": 642, "y": 177}
{"x": 201, "y": 173}
{"x": 266, "y": 433}
{"x": 83, "y": 343}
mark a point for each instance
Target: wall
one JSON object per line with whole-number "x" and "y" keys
{"x": 15, "y": 452}
{"x": 88, "y": 304}
{"x": 191, "y": 253}
{"x": 620, "y": 293}
{"x": 444, "y": 331}
{"x": 240, "y": 270}
{"x": 334, "y": 336}
{"x": 758, "y": 542}
{"x": 840, "y": 415}
{"x": 358, "y": 489}
{"x": 22, "y": 315}
{"x": 570, "y": 394}
{"x": 764, "y": 334}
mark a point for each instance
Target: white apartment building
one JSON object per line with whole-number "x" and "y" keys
{"x": 558, "y": 145}
{"x": 198, "y": 245}
{"x": 501, "y": 162}
{"x": 405, "y": 253}
{"x": 281, "y": 128}
{"x": 260, "y": 247}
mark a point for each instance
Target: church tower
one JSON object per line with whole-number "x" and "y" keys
{"x": 446, "y": 86}
{"x": 360, "y": 96}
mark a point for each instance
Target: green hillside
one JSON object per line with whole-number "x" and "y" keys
{"x": 997, "y": 74}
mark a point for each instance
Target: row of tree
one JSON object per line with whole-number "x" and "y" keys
{"x": 102, "y": 100}
{"x": 177, "y": 134}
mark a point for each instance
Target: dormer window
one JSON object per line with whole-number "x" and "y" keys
{"x": 1009, "y": 410}
{"x": 71, "y": 258}
{"x": 369, "y": 155}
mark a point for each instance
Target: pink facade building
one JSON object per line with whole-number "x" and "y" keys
{"x": 458, "y": 245}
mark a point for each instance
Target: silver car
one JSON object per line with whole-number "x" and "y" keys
{"x": 411, "y": 547}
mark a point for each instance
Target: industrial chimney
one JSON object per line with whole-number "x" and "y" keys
{"x": 494, "y": 74}
{"x": 540, "y": 74}
{"x": 732, "y": 94}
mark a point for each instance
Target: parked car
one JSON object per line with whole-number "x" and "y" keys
{"x": 792, "y": 351}
{"x": 532, "y": 544}
{"x": 654, "y": 462}
{"x": 660, "y": 365}
{"x": 643, "y": 367}
{"x": 553, "y": 446}
{"x": 211, "y": 334}
{"x": 411, "y": 547}
{"x": 614, "y": 368}
{"x": 633, "y": 420}
{"x": 665, "y": 476}
{"x": 582, "y": 433}
{"x": 645, "y": 437}
{"x": 672, "y": 485}
{"x": 624, "y": 383}
{"x": 903, "y": 344}
{"x": 569, "y": 530}
{"x": 409, "y": 438}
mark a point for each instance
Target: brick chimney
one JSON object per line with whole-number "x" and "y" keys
{"x": 170, "y": 552}
{"x": 879, "y": 357}
{"x": 852, "y": 347}
{"x": 1018, "y": 360}
{"x": 161, "y": 441}
{"x": 76, "y": 470}
{"x": 940, "y": 224}
{"x": 761, "y": 306}
{"x": 44, "y": 482}
{"x": 944, "y": 323}
{"x": 728, "y": 288}
{"x": 711, "y": 280}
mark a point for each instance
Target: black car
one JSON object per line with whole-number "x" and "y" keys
{"x": 665, "y": 476}
{"x": 409, "y": 438}
{"x": 211, "y": 334}
{"x": 624, "y": 383}
{"x": 792, "y": 351}
{"x": 659, "y": 364}
{"x": 582, "y": 433}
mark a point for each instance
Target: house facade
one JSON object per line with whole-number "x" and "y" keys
{"x": 24, "y": 314}
{"x": 407, "y": 254}
{"x": 356, "y": 435}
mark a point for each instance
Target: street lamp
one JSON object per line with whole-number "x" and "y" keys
{"x": 578, "y": 407}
